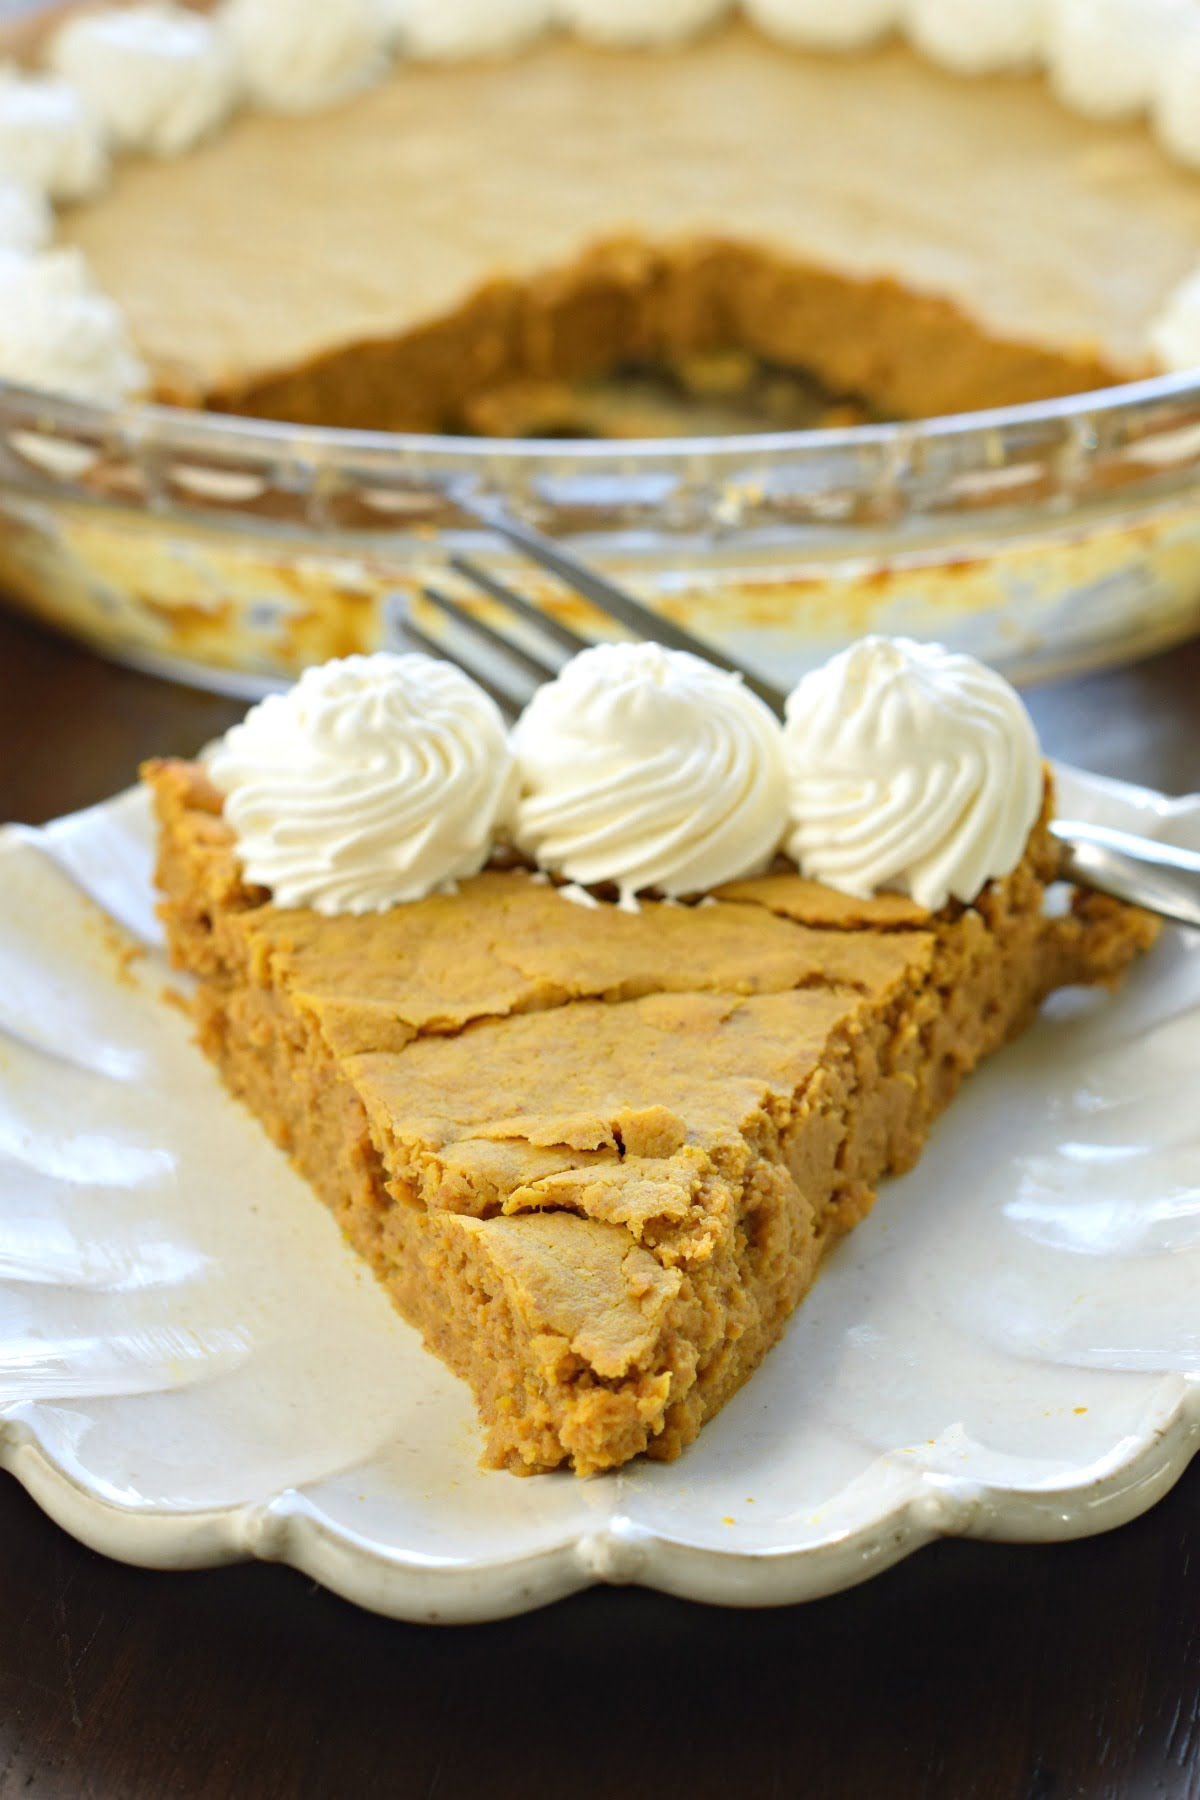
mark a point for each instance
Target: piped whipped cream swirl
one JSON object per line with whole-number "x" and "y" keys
{"x": 1175, "y": 333}
{"x": 58, "y": 331}
{"x": 909, "y": 768}
{"x": 26, "y": 219}
{"x": 159, "y": 78}
{"x": 824, "y": 24}
{"x": 48, "y": 137}
{"x": 978, "y": 37}
{"x": 649, "y": 769}
{"x": 298, "y": 56}
{"x": 640, "y": 24}
{"x": 1176, "y": 102}
{"x": 1106, "y": 58}
{"x": 456, "y": 30}
{"x": 374, "y": 780}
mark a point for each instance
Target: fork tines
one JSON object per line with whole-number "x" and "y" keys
{"x": 510, "y": 664}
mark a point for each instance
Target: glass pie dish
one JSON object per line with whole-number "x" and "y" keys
{"x": 1047, "y": 538}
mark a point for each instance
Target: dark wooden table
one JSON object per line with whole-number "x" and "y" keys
{"x": 975, "y": 1672}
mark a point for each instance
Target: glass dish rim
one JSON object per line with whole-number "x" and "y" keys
{"x": 146, "y": 424}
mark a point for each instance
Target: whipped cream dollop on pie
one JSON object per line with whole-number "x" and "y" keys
{"x": 382, "y": 779}
{"x": 158, "y": 78}
{"x": 649, "y": 769}
{"x": 375, "y": 780}
{"x": 57, "y": 331}
{"x": 977, "y": 37}
{"x": 910, "y": 768}
{"x": 823, "y": 25}
{"x": 1176, "y": 101}
{"x": 1106, "y": 58}
{"x": 48, "y": 136}
{"x": 1177, "y": 329}
{"x": 635, "y": 24}
{"x": 455, "y": 30}
{"x": 297, "y": 56}
{"x": 26, "y": 221}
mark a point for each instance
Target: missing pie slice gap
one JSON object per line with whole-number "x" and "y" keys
{"x": 468, "y": 246}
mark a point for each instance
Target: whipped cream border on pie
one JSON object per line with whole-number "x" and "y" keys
{"x": 160, "y": 78}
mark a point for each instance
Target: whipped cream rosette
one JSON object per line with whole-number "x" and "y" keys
{"x": 1175, "y": 334}
{"x": 26, "y": 221}
{"x": 375, "y": 780}
{"x": 49, "y": 138}
{"x": 158, "y": 78}
{"x": 651, "y": 770}
{"x": 455, "y": 30}
{"x": 58, "y": 331}
{"x": 824, "y": 24}
{"x": 301, "y": 55}
{"x": 978, "y": 37}
{"x": 910, "y": 768}
{"x": 1107, "y": 58}
{"x": 1176, "y": 100}
{"x": 635, "y": 24}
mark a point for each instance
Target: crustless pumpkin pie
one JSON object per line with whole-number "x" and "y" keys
{"x": 596, "y": 1156}
{"x": 419, "y": 256}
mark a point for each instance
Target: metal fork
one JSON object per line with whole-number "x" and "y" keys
{"x": 1159, "y": 877}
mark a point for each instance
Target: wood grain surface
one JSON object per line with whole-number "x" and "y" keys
{"x": 973, "y": 1672}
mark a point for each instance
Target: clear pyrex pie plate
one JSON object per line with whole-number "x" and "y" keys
{"x": 195, "y": 1368}
{"x": 1044, "y": 538}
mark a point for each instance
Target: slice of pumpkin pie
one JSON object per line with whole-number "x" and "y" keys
{"x": 594, "y": 1150}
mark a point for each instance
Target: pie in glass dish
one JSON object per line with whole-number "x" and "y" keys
{"x": 419, "y": 217}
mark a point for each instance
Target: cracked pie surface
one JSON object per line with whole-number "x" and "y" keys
{"x": 596, "y": 1156}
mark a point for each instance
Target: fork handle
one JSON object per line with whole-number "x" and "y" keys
{"x": 1159, "y": 877}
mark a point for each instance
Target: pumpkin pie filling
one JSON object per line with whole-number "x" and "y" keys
{"x": 596, "y": 1156}
{"x": 415, "y": 257}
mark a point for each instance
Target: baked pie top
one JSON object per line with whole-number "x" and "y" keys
{"x": 283, "y": 240}
{"x": 314, "y": 229}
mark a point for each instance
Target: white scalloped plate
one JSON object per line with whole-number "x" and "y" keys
{"x": 194, "y": 1368}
